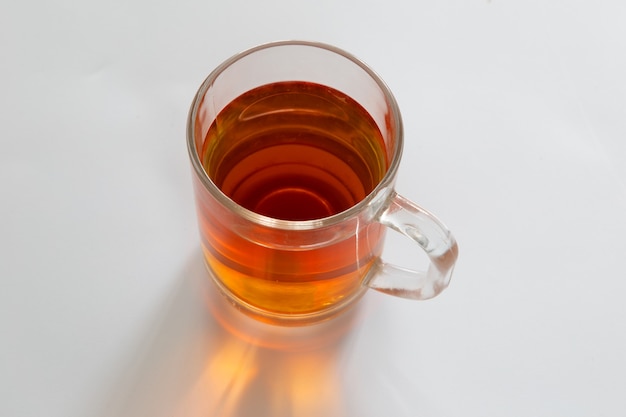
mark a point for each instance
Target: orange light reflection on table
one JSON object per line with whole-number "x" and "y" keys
{"x": 256, "y": 369}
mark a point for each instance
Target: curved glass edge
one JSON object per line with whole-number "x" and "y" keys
{"x": 384, "y": 187}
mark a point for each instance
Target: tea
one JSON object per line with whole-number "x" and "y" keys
{"x": 295, "y": 151}
{"x": 292, "y": 151}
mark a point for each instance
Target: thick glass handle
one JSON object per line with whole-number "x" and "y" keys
{"x": 432, "y": 236}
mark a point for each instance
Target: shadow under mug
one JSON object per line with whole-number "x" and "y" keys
{"x": 295, "y": 272}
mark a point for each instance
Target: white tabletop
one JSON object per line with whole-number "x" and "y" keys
{"x": 515, "y": 121}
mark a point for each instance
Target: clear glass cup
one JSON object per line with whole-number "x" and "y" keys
{"x": 295, "y": 272}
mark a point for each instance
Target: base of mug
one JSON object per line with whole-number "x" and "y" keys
{"x": 288, "y": 320}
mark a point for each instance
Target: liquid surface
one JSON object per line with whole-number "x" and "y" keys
{"x": 295, "y": 151}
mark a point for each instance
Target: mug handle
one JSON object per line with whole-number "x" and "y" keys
{"x": 432, "y": 236}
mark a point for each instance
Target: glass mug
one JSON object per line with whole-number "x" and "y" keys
{"x": 295, "y": 148}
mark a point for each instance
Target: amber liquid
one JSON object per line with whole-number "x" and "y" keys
{"x": 292, "y": 151}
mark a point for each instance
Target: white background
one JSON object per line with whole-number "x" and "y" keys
{"x": 515, "y": 120}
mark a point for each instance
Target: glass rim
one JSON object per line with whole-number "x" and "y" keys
{"x": 283, "y": 224}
